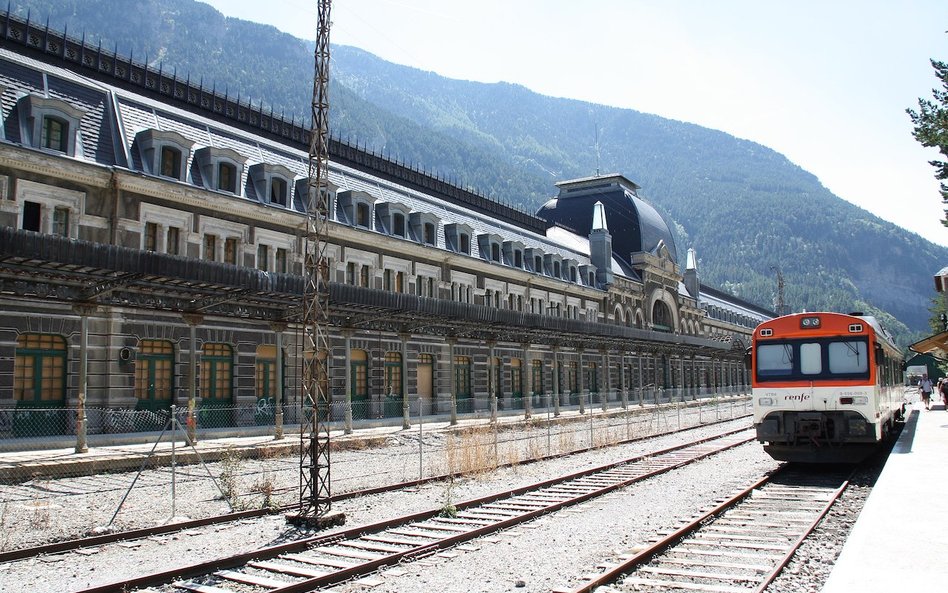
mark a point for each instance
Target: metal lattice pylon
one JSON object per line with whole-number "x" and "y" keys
{"x": 316, "y": 400}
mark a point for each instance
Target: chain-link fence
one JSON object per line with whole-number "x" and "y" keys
{"x": 156, "y": 472}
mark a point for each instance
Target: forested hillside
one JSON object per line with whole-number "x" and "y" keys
{"x": 742, "y": 206}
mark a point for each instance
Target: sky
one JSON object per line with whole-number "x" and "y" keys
{"x": 824, "y": 82}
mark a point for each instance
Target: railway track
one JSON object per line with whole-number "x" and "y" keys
{"x": 133, "y": 534}
{"x": 739, "y": 546}
{"x": 312, "y": 563}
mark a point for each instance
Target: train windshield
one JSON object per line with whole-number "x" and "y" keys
{"x": 812, "y": 360}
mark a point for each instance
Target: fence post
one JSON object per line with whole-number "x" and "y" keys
{"x": 278, "y": 328}
{"x": 174, "y": 437}
{"x": 84, "y": 310}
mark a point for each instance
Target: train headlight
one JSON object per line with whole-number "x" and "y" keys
{"x": 766, "y": 401}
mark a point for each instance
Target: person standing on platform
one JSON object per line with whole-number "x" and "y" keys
{"x": 925, "y": 388}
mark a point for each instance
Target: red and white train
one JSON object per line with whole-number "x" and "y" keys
{"x": 827, "y": 387}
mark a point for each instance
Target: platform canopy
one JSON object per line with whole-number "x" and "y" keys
{"x": 936, "y": 345}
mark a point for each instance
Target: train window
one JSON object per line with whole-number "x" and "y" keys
{"x": 774, "y": 360}
{"x": 811, "y": 359}
{"x": 848, "y": 357}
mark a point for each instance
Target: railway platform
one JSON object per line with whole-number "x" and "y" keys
{"x": 900, "y": 540}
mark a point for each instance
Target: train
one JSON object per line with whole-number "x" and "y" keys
{"x": 827, "y": 387}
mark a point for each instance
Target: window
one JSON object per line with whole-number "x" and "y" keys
{"x": 170, "y": 165}
{"x": 230, "y": 250}
{"x": 359, "y": 381}
{"x": 278, "y": 191}
{"x": 393, "y": 374}
{"x": 263, "y": 257}
{"x": 537, "y": 377}
{"x": 538, "y": 264}
{"x": 61, "y": 221}
{"x": 281, "y": 261}
{"x": 364, "y": 277}
{"x": 227, "y": 177}
{"x": 813, "y": 360}
{"x": 464, "y": 243}
{"x": 154, "y": 374}
{"x": 31, "y": 216}
{"x": 572, "y": 274}
{"x": 55, "y": 133}
{"x": 556, "y": 269}
{"x": 210, "y": 247}
{"x": 430, "y": 235}
{"x": 266, "y": 373}
{"x": 172, "y": 244}
{"x": 362, "y": 215}
{"x": 217, "y": 367}
{"x": 398, "y": 224}
{"x": 39, "y": 369}
{"x": 400, "y": 282}
{"x": 495, "y": 252}
{"x": 166, "y": 153}
{"x": 516, "y": 378}
{"x": 848, "y": 357}
{"x": 351, "y": 273}
{"x": 151, "y": 236}
{"x": 810, "y": 359}
{"x": 387, "y": 279}
{"x": 518, "y": 259}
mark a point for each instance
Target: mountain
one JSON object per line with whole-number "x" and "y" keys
{"x": 744, "y": 207}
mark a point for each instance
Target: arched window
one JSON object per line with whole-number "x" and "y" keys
{"x": 217, "y": 371}
{"x": 39, "y": 370}
{"x": 661, "y": 317}
{"x": 359, "y": 382}
{"x": 154, "y": 375}
{"x": 393, "y": 374}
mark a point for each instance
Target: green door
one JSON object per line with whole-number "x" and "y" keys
{"x": 39, "y": 386}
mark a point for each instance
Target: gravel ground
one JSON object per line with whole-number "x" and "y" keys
{"x": 551, "y": 551}
{"x": 50, "y": 510}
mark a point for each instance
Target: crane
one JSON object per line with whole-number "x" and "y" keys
{"x": 315, "y": 508}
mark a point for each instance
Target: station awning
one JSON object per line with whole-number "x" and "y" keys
{"x": 936, "y": 345}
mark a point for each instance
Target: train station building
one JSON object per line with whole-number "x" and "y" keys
{"x": 152, "y": 243}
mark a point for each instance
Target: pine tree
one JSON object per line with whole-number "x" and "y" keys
{"x": 931, "y": 127}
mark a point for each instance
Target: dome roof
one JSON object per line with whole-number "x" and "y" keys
{"x": 633, "y": 223}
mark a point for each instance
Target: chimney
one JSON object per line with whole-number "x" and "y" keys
{"x": 691, "y": 273}
{"x": 600, "y": 246}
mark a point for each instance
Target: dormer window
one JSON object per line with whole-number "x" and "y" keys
{"x": 220, "y": 168}
{"x": 164, "y": 153}
{"x": 355, "y": 208}
{"x": 271, "y": 183}
{"x": 513, "y": 253}
{"x": 489, "y": 246}
{"x": 534, "y": 260}
{"x": 458, "y": 237}
{"x": 50, "y": 124}
{"x": 553, "y": 265}
{"x": 392, "y": 218}
{"x": 572, "y": 274}
{"x": 424, "y": 227}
